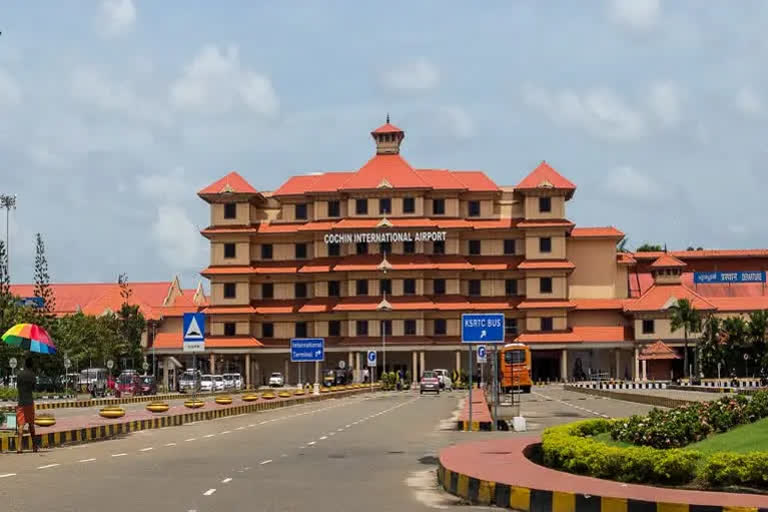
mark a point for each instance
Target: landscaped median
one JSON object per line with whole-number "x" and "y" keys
{"x": 96, "y": 428}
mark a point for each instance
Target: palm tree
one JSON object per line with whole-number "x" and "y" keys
{"x": 758, "y": 326}
{"x": 684, "y": 315}
{"x": 622, "y": 245}
{"x": 736, "y": 334}
{"x": 711, "y": 345}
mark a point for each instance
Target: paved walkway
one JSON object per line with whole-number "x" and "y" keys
{"x": 481, "y": 415}
{"x": 502, "y": 461}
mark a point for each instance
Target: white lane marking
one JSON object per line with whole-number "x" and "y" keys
{"x": 331, "y": 433}
{"x": 284, "y": 455}
{"x": 170, "y": 444}
{"x": 240, "y": 428}
{"x": 190, "y": 439}
{"x": 6, "y": 475}
{"x": 209, "y": 492}
{"x": 146, "y": 449}
{"x": 86, "y": 460}
{"x": 262, "y": 422}
{"x": 227, "y": 432}
{"x": 251, "y": 425}
{"x": 265, "y": 462}
{"x": 311, "y": 443}
{"x": 339, "y": 430}
{"x": 48, "y": 466}
{"x": 209, "y": 435}
{"x": 324, "y": 437}
{"x": 347, "y": 426}
{"x": 119, "y": 454}
{"x": 226, "y": 480}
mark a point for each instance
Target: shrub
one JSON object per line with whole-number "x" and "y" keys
{"x": 748, "y": 469}
{"x": 570, "y": 448}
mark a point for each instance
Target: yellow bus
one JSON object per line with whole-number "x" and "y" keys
{"x": 515, "y": 364}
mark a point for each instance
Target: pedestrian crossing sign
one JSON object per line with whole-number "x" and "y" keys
{"x": 194, "y": 332}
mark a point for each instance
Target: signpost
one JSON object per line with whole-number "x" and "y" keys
{"x": 110, "y": 364}
{"x": 307, "y": 350}
{"x": 480, "y": 328}
{"x": 370, "y": 359}
{"x": 194, "y": 339}
{"x": 12, "y": 362}
{"x": 481, "y": 360}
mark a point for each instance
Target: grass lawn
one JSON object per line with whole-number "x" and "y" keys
{"x": 745, "y": 438}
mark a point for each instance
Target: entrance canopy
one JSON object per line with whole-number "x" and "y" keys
{"x": 658, "y": 351}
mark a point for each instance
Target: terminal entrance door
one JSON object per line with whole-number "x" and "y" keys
{"x": 545, "y": 365}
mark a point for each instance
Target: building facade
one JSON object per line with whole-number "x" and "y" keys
{"x": 388, "y": 257}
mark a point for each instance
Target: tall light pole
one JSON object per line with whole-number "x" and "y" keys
{"x": 7, "y": 201}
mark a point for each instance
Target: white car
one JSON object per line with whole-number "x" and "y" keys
{"x": 445, "y": 379}
{"x": 218, "y": 383}
{"x": 235, "y": 380}
{"x": 276, "y": 380}
{"x": 206, "y": 383}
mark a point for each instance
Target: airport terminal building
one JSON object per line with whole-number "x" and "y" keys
{"x": 389, "y": 255}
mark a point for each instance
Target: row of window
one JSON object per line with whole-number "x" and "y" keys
{"x": 385, "y": 285}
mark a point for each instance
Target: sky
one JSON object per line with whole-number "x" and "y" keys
{"x": 114, "y": 113}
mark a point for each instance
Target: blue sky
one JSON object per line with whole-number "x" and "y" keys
{"x": 113, "y": 114}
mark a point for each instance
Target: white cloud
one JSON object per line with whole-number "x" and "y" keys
{"x": 456, "y": 121}
{"x": 10, "y": 92}
{"x": 417, "y": 74}
{"x": 166, "y": 187}
{"x": 117, "y": 17}
{"x": 628, "y": 183}
{"x": 600, "y": 111}
{"x": 665, "y": 101}
{"x": 215, "y": 82}
{"x": 178, "y": 239}
{"x": 639, "y": 15}
{"x": 748, "y": 101}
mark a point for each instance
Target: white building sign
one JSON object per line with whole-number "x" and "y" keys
{"x": 387, "y": 236}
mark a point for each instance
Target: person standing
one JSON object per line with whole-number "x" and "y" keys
{"x": 25, "y": 410}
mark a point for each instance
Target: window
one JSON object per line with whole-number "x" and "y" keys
{"x": 267, "y": 330}
{"x": 438, "y": 206}
{"x": 438, "y": 286}
{"x": 301, "y": 251}
{"x": 300, "y": 290}
{"x": 509, "y": 246}
{"x": 385, "y": 247}
{"x": 438, "y": 247}
{"x": 409, "y": 286}
{"x": 334, "y": 209}
{"x": 510, "y": 286}
{"x": 334, "y": 250}
{"x": 362, "y": 248}
{"x": 361, "y": 327}
{"x": 361, "y": 287}
{"x": 409, "y": 327}
{"x": 334, "y": 328}
{"x": 386, "y": 327}
{"x": 474, "y": 247}
{"x": 230, "y": 210}
{"x": 230, "y": 290}
{"x": 546, "y": 323}
{"x": 301, "y": 330}
{"x": 545, "y": 285}
{"x": 266, "y": 251}
{"x": 409, "y": 247}
{"x": 409, "y": 205}
{"x": 301, "y": 211}
{"x": 385, "y": 205}
{"x": 648, "y": 327}
{"x": 229, "y": 250}
{"x": 385, "y": 285}
{"x": 474, "y": 208}
{"x": 440, "y": 327}
{"x": 267, "y": 290}
{"x": 361, "y": 206}
{"x": 545, "y": 244}
{"x": 334, "y": 288}
{"x": 510, "y": 326}
{"x": 230, "y": 328}
{"x": 474, "y": 287}
{"x": 545, "y": 204}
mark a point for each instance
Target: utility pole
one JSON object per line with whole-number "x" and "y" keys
{"x": 7, "y": 201}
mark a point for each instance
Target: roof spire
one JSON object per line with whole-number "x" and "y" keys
{"x": 388, "y": 138}
{"x": 387, "y": 117}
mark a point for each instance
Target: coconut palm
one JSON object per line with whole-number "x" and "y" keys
{"x": 736, "y": 335}
{"x": 685, "y": 316}
{"x": 758, "y": 326}
{"x": 711, "y": 347}
{"x": 622, "y": 245}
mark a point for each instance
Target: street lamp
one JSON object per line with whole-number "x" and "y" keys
{"x": 7, "y": 201}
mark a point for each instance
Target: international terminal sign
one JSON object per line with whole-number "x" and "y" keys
{"x": 749, "y": 276}
{"x": 385, "y": 236}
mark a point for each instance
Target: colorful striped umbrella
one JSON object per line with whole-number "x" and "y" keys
{"x": 30, "y": 337}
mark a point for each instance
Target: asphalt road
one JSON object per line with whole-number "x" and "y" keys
{"x": 373, "y": 453}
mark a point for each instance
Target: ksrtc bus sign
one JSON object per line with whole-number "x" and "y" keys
{"x": 748, "y": 276}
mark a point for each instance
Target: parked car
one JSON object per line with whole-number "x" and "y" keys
{"x": 229, "y": 381}
{"x": 128, "y": 384}
{"x": 148, "y": 385}
{"x": 445, "y": 379}
{"x": 218, "y": 383}
{"x": 189, "y": 381}
{"x": 236, "y": 380}
{"x": 206, "y": 383}
{"x": 276, "y": 380}
{"x": 429, "y": 383}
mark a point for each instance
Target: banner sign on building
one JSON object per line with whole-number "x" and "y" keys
{"x": 34, "y": 302}
{"x": 749, "y": 276}
{"x": 385, "y": 236}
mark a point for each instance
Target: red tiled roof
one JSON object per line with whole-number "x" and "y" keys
{"x": 736, "y": 304}
{"x": 494, "y": 262}
{"x": 546, "y": 304}
{"x": 625, "y": 258}
{"x": 230, "y": 310}
{"x": 441, "y": 179}
{"x": 546, "y": 265}
{"x": 231, "y": 183}
{"x": 410, "y": 262}
{"x": 232, "y": 342}
{"x": 390, "y": 169}
{"x": 269, "y": 307}
{"x": 168, "y": 340}
{"x": 545, "y": 223}
{"x": 667, "y": 261}
{"x": 706, "y": 254}
{"x": 227, "y": 270}
{"x": 545, "y": 176}
{"x": 318, "y": 305}
{"x": 229, "y": 230}
{"x": 658, "y": 350}
{"x": 494, "y": 224}
{"x": 603, "y": 333}
{"x": 598, "y": 304}
{"x": 450, "y": 262}
{"x": 319, "y": 265}
{"x": 387, "y": 128}
{"x": 548, "y": 337}
{"x": 476, "y": 181}
{"x": 597, "y": 232}
{"x": 358, "y": 262}
{"x": 659, "y": 296}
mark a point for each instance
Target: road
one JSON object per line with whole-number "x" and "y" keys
{"x": 374, "y": 452}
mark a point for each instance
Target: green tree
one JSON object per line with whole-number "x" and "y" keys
{"x": 685, "y": 316}
{"x": 758, "y": 326}
{"x": 131, "y": 323}
{"x": 736, "y": 337}
{"x": 43, "y": 280}
{"x": 649, "y": 248}
{"x": 712, "y": 346}
{"x": 622, "y": 245}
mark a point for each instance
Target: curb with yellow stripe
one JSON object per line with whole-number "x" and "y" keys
{"x": 482, "y": 492}
{"x": 477, "y": 426}
{"x": 79, "y": 435}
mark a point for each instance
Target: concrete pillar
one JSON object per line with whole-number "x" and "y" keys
{"x": 247, "y": 370}
{"x": 636, "y": 366}
{"x": 286, "y": 373}
{"x": 458, "y": 362}
{"x": 350, "y": 360}
{"x": 414, "y": 368}
{"x": 166, "y": 371}
{"x": 212, "y": 363}
{"x": 317, "y": 372}
{"x": 645, "y": 370}
{"x": 256, "y": 374}
{"x": 422, "y": 366}
{"x": 358, "y": 370}
{"x": 564, "y": 365}
{"x": 617, "y": 353}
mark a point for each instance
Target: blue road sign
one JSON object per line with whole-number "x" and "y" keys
{"x": 194, "y": 332}
{"x": 305, "y": 350}
{"x": 481, "y": 354}
{"x": 482, "y": 328}
{"x": 371, "y": 358}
